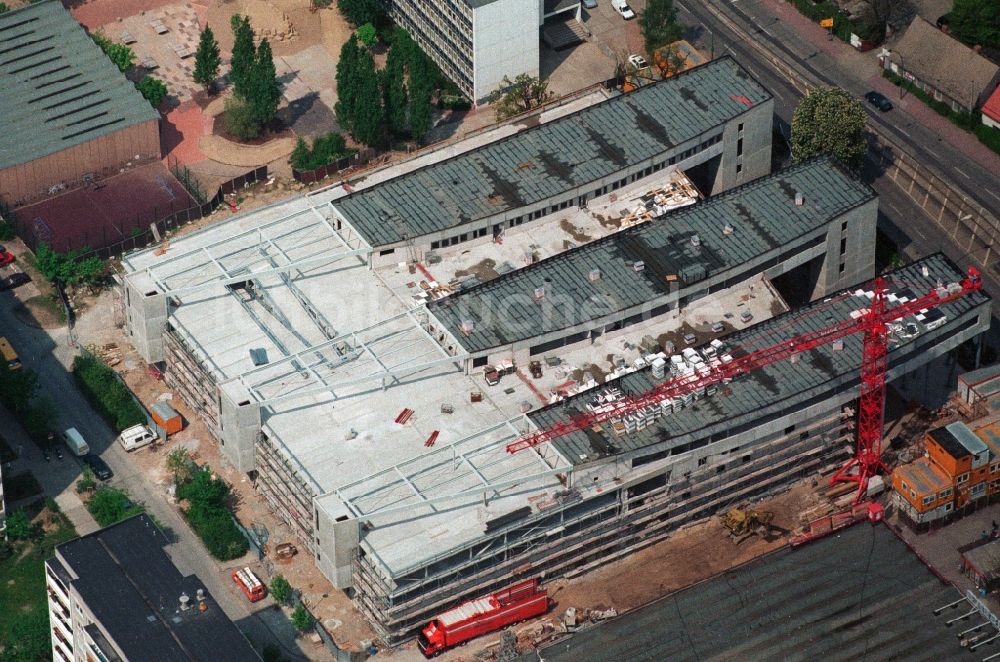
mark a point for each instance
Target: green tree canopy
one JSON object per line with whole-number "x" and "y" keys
{"x": 359, "y": 12}
{"x": 519, "y": 95}
{"x": 659, "y": 24}
{"x": 244, "y": 54}
{"x": 829, "y": 120}
{"x": 348, "y": 82}
{"x": 394, "y": 92}
{"x": 207, "y": 60}
{"x": 368, "y": 125}
{"x": 120, "y": 54}
{"x": 367, "y": 35}
{"x": 204, "y": 490}
{"x": 280, "y": 589}
{"x": 263, "y": 93}
{"x": 976, "y": 22}
{"x": 153, "y": 90}
{"x": 301, "y": 618}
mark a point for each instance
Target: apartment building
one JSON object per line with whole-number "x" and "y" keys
{"x": 115, "y": 595}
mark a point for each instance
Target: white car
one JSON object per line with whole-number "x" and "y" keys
{"x": 625, "y": 11}
{"x": 135, "y": 437}
{"x": 637, "y": 61}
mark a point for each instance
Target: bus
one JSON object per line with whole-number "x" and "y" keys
{"x": 9, "y": 355}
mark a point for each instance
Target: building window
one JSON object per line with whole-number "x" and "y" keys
{"x": 739, "y": 147}
{"x": 963, "y": 478}
{"x": 388, "y": 251}
{"x": 739, "y": 127}
{"x": 739, "y": 168}
{"x": 702, "y": 461}
{"x": 480, "y": 361}
{"x": 995, "y": 467}
{"x": 928, "y": 500}
{"x": 843, "y": 245}
{"x": 947, "y": 507}
{"x": 945, "y": 493}
{"x": 435, "y": 244}
{"x": 903, "y": 486}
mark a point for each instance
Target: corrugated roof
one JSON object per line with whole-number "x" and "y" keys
{"x": 59, "y": 89}
{"x": 858, "y": 595}
{"x": 944, "y": 62}
{"x": 767, "y": 391}
{"x": 762, "y": 214}
{"x": 985, "y": 559}
{"x": 923, "y": 476}
{"x": 537, "y": 163}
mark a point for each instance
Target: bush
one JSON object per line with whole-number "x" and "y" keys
{"x": 280, "y": 589}
{"x": 325, "y": 150}
{"x": 989, "y": 136}
{"x": 109, "y": 505}
{"x": 120, "y": 54}
{"x": 203, "y": 490}
{"x": 107, "y": 393}
{"x": 217, "y": 531}
{"x": 6, "y": 230}
{"x": 240, "y": 119}
{"x": 153, "y": 90}
{"x": 301, "y": 618}
{"x": 68, "y": 268}
{"x": 87, "y": 483}
{"x": 18, "y": 526}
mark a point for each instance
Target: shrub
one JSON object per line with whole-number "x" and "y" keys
{"x": 6, "y": 230}
{"x": 120, "y": 54}
{"x": 68, "y": 268}
{"x": 280, "y": 589}
{"x": 301, "y": 618}
{"x": 180, "y": 465}
{"x": 203, "y": 490}
{"x": 153, "y": 90}
{"x": 240, "y": 119}
{"x": 107, "y": 393}
{"x": 217, "y": 531}
{"x": 989, "y": 136}
{"x": 367, "y": 35}
{"x": 87, "y": 483}
{"x": 325, "y": 150}
{"x": 109, "y": 505}
{"x": 18, "y": 526}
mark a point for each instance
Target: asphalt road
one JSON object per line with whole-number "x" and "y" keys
{"x": 49, "y": 354}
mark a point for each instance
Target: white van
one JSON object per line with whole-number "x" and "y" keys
{"x": 75, "y": 442}
{"x": 135, "y": 437}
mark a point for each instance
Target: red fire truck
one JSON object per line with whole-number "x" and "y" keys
{"x": 481, "y": 615}
{"x": 250, "y": 583}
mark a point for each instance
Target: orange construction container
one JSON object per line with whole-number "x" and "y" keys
{"x": 166, "y": 417}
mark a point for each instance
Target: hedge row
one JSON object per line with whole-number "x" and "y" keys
{"x": 989, "y": 136}
{"x": 106, "y": 393}
{"x": 217, "y": 530}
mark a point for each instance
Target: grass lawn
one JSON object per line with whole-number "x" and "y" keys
{"x": 22, "y": 583}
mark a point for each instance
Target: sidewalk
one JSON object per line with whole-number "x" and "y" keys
{"x": 783, "y": 21}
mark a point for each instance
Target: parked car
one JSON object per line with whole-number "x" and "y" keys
{"x": 14, "y": 280}
{"x": 878, "y": 101}
{"x": 135, "y": 437}
{"x": 621, "y": 6}
{"x": 76, "y": 442}
{"x": 590, "y": 4}
{"x": 6, "y": 257}
{"x": 98, "y": 466}
{"x": 637, "y": 61}
{"x": 746, "y": 316}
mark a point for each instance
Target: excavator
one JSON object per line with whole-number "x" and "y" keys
{"x": 745, "y": 522}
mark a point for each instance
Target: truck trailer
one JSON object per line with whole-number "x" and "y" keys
{"x": 481, "y": 615}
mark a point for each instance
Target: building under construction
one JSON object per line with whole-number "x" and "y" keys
{"x": 367, "y": 367}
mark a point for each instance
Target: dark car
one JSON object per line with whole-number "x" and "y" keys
{"x": 98, "y": 466}
{"x": 879, "y": 101}
{"x": 14, "y": 280}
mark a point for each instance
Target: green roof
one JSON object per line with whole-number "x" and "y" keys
{"x": 762, "y": 215}
{"x": 549, "y": 159}
{"x": 59, "y": 89}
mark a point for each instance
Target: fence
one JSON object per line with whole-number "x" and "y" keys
{"x": 355, "y": 160}
{"x": 105, "y": 241}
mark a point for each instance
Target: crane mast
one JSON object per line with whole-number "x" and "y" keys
{"x": 874, "y": 327}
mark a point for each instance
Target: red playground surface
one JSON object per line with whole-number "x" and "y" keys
{"x": 106, "y": 212}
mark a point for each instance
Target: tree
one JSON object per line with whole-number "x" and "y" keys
{"x": 281, "y": 590}
{"x": 4, "y": 8}
{"x": 239, "y": 119}
{"x": 180, "y": 465}
{"x": 244, "y": 54}
{"x": 120, "y": 54}
{"x": 263, "y": 93}
{"x": 299, "y": 158}
{"x": 367, "y": 35}
{"x": 204, "y": 490}
{"x": 207, "y": 60}
{"x": 659, "y": 24}
{"x": 68, "y": 268}
{"x": 519, "y": 95}
{"x": 359, "y": 12}
{"x": 368, "y": 123}
{"x": 829, "y": 120}
{"x": 153, "y": 90}
{"x": 347, "y": 82}
{"x": 109, "y": 505}
{"x": 976, "y": 22}
{"x": 394, "y": 92}
{"x": 17, "y": 387}
{"x": 19, "y": 526}
{"x": 301, "y": 618}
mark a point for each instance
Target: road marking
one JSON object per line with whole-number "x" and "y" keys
{"x": 905, "y": 133}
{"x": 936, "y": 155}
{"x": 993, "y": 194}
{"x": 962, "y": 172}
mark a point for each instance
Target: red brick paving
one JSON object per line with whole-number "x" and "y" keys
{"x": 95, "y": 13}
{"x": 181, "y": 129}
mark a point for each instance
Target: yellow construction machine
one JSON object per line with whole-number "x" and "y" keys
{"x": 745, "y": 522}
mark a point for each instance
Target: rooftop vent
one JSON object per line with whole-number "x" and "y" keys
{"x": 695, "y": 240}
{"x": 799, "y": 199}
{"x": 594, "y": 275}
{"x": 184, "y": 602}
{"x": 638, "y": 266}
{"x": 838, "y": 345}
{"x": 200, "y": 594}
{"x": 539, "y": 293}
{"x": 925, "y": 271}
{"x": 467, "y": 327}
{"x": 728, "y": 229}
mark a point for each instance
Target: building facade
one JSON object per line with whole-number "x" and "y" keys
{"x": 116, "y": 595}
{"x": 474, "y": 42}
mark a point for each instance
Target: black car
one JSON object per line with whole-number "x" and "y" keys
{"x": 879, "y": 101}
{"x": 14, "y": 280}
{"x": 98, "y": 466}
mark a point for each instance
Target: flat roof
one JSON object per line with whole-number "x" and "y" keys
{"x": 949, "y": 443}
{"x": 965, "y": 436}
{"x": 924, "y": 476}
{"x": 860, "y": 594}
{"x": 762, "y": 214}
{"x": 779, "y": 386}
{"x": 60, "y": 89}
{"x": 133, "y": 589}
{"x": 985, "y": 559}
{"x": 549, "y": 159}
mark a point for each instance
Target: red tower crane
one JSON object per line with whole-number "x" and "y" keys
{"x": 873, "y": 324}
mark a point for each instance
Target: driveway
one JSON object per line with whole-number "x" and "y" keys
{"x": 50, "y": 355}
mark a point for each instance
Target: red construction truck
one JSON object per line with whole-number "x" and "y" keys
{"x": 481, "y": 615}
{"x": 250, "y": 583}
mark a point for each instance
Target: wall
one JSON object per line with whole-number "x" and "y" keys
{"x": 855, "y": 231}
{"x": 145, "y": 315}
{"x": 337, "y": 537}
{"x": 104, "y": 156}
{"x": 239, "y": 425}
{"x": 505, "y": 43}
{"x": 753, "y": 157}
